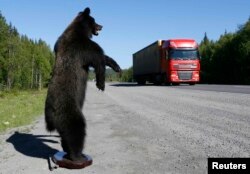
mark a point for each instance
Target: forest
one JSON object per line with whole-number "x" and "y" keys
{"x": 227, "y": 60}
{"x": 27, "y": 64}
{"x": 24, "y": 63}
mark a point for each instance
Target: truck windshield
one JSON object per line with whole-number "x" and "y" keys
{"x": 183, "y": 54}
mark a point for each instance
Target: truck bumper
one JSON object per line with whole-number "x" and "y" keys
{"x": 184, "y": 76}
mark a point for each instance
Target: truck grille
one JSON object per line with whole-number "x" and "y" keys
{"x": 185, "y": 75}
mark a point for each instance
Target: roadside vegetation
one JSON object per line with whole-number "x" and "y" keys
{"x": 227, "y": 60}
{"x": 20, "y": 108}
{"x": 112, "y": 76}
{"x": 24, "y": 63}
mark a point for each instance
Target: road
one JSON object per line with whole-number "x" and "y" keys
{"x": 142, "y": 130}
{"x": 242, "y": 89}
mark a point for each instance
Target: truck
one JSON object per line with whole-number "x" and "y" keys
{"x": 172, "y": 61}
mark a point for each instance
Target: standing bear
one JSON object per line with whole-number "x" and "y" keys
{"x": 75, "y": 53}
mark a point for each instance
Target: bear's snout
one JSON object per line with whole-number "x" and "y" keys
{"x": 97, "y": 28}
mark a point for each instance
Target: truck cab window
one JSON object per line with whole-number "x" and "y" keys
{"x": 184, "y": 54}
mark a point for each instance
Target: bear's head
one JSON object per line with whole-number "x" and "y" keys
{"x": 88, "y": 24}
{"x": 83, "y": 26}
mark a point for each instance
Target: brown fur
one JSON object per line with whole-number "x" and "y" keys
{"x": 75, "y": 53}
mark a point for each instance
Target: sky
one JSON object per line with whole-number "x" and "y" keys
{"x": 128, "y": 25}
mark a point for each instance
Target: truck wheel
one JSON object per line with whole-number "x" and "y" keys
{"x": 167, "y": 83}
{"x": 175, "y": 84}
{"x": 158, "y": 80}
{"x": 141, "y": 82}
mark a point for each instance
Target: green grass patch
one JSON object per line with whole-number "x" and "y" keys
{"x": 18, "y": 108}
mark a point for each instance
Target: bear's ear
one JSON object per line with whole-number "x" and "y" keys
{"x": 86, "y": 11}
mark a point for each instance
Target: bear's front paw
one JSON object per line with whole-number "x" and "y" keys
{"x": 117, "y": 69}
{"x": 120, "y": 73}
{"x": 100, "y": 86}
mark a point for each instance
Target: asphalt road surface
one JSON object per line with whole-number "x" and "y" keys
{"x": 243, "y": 89}
{"x": 143, "y": 130}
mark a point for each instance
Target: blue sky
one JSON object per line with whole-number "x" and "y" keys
{"x": 128, "y": 25}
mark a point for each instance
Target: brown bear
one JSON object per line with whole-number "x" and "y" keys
{"x": 75, "y": 53}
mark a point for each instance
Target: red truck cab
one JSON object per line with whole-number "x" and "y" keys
{"x": 180, "y": 61}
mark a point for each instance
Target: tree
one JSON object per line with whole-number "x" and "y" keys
{"x": 206, "y": 53}
{"x": 3, "y": 47}
{"x": 228, "y": 59}
{"x": 127, "y": 75}
{"x": 24, "y": 63}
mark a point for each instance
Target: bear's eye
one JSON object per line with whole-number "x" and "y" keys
{"x": 91, "y": 22}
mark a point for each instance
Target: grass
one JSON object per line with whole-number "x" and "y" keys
{"x": 18, "y": 108}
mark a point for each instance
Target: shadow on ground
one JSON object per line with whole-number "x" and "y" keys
{"x": 33, "y": 145}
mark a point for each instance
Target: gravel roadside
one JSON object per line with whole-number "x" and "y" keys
{"x": 141, "y": 130}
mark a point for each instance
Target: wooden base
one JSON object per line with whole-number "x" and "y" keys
{"x": 65, "y": 163}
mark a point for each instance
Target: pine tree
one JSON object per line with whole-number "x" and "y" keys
{"x": 24, "y": 63}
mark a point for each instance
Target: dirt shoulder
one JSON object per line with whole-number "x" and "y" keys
{"x": 137, "y": 130}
